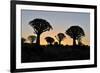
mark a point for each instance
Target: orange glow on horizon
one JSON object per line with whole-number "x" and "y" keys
{"x": 66, "y": 41}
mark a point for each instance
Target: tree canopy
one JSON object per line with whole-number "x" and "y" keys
{"x": 75, "y": 32}
{"x": 49, "y": 40}
{"x": 31, "y": 38}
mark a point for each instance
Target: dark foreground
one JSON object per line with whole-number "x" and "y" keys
{"x": 33, "y": 53}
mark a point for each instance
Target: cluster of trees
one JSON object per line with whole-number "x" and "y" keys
{"x": 41, "y": 25}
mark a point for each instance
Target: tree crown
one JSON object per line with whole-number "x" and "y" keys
{"x": 40, "y": 25}
{"x": 75, "y": 32}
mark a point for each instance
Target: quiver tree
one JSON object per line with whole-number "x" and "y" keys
{"x": 75, "y": 32}
{"x": 49, "y": 40}
{"x": 31, "y": 38}
{"x": 40, "y": 26}
{"x": 60, "y": 37}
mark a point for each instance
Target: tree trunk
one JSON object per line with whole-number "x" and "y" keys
{"x": 59, "y": 42}
{"x": 38, "y": 39}
{"x": 50, "y": 43}
{"x": 74, "y": 42}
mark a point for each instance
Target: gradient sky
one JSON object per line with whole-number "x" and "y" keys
{"x": 60, "y": 22}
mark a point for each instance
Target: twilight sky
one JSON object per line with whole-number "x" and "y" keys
{"x": 60, "y": 21}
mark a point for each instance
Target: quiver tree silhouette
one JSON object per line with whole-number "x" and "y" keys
{"x": 55, "y": 43}
{"x": 60, "y": 37}
{"x": 40, "y": 26}
{"x": 31, "y": 38}
{"x": 75, "y": 32}
{"x": 49, "y": 40}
